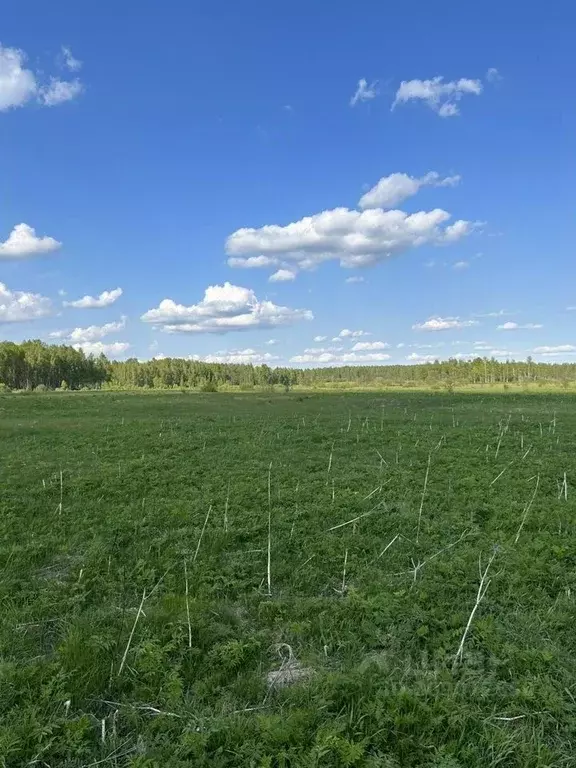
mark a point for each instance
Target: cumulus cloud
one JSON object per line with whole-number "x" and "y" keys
{"x": 518, "y": 326}
{"x": 240, "y": 356}
{"x": 392, "y": 189}
{"x": 320, "y": 338}
{"x": 271, "y": 342}
{"x": 114, "y": 349}
{"x": 23, "y": 241}
{"x": 365, "y": 346}
{"x": 224, "y": 308}
{"x": 346, "y": 358}
{"x": 18, "y": 306}
{"x": 459, "y": 265}
{"x": 19, "y": 85}
{"x": 354, "y": 238}
{"x": 440, "y": 96}
{"x": 443, "y": 324}
{"x": 95, "y": 302}
{"x": 58, "y": 91}
{"x": 561, "y": 349}
{"x": 91, "y": 333}
{"x": 492, "y": 75}
{"x": 354, "y": 279}
{"x": 364, "y": 92}
{"x": 346, "y": 333}
{"x": 282, "y": 276}
{"x": 253, "y": 262}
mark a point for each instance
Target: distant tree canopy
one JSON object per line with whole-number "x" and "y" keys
{"x": 34, "y": 364}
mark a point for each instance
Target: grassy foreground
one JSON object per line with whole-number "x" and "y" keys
{"x": 286, "y": 580}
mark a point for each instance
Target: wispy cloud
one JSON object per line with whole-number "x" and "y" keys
{"x": 443, "y": 324}
{"x": 440, "y": 96}
{"x": 364, "y": 92}
{"x": 396, "y": 187}
{"x": 519, "y": 326}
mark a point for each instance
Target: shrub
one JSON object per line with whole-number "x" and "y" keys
{"x": 209, "y": 386}
{"x": 40, "y": 388}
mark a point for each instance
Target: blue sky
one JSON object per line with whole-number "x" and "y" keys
{"x": 255, "y": 172}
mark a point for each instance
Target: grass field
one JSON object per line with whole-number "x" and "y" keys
{"x": 286, "y": 580}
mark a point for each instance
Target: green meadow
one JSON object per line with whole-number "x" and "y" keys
{"x": 281, "y": 580}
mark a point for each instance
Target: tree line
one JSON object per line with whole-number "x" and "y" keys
{"x": 34, "y": 364}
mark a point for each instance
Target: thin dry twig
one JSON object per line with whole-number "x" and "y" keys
{"x": 527, "y": 509}
{"x": 132, "y": 633}
{"x": 202, "y": 534}
{"x": 423, "y": 496}
{"x": 482, "y": 588}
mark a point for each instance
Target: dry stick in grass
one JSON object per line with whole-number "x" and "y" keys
{"x": 564, "y": 489}
{"x": 482, "y": 587}
{"x": 527, "y": 452}
{"x": 59, "y": 507}
{"x": 132, "y": 633}
{"x": 387, "y": 547}
{"x": 268, "y": 569}
{"x": 344, "y": 573}
{"x": 527, "y": 509}
{"x": 423, "y": 495}
{"x": 355, "y": 519}
{"x": 202, "y": 534}
{"x": 187, "y": 606}
{"x": 226, "y": 508}
{"x": 501, "y": 473}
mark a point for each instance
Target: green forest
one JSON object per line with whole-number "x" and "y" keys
{"x": 34, "y": 365}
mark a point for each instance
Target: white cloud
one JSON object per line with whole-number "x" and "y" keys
{"x": 346, "y": 333}
{"x": 320, "y": 338}
{"x": 239, "y": 356}
{"x": 271, "y": 342}
{"x": 59, "y": 91}
{"x": 553, "y": 351}
{"x": 70, "y": 62}
{"x": 461, "y": 265}
{"x": 91, "y": 333}
{"x": 492, "y": 75}
{"x": 282, "y": 276}
{"x": 365, "y": 346}
{"x": 354, "y": 279}
{"x": 518, "y": 327}
{"x": 253, "y": 262}
{"x": 354, "y": 238}
{"x": 364, "y": 92}
{"x": 114, "y": 349}
{"x": 321, "y": 350}
{"x": 224, "y": 308}
{"x": 440, "y": 96}
{"x": 96, "y": 302}
{"x": 19, "y": 85}
{"x": 23, "y": 241}
{"x": 443, "y": 324}
{"x": 392, "y": 189}
{"x": 317, "y": 356}
{"x": 400, "y": 345}
{"x": 18, "y": 306}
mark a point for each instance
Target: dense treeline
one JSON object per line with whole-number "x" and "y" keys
{"x": 33, "y": 365}
{"x": 177, "y": 372}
